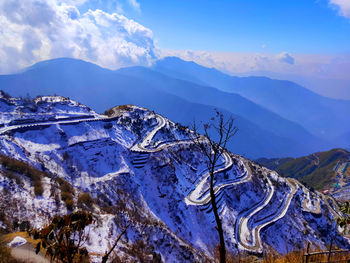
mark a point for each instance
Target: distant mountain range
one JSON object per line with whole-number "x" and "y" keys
{"x": 324, "y": 117}
{"x": 184, "y": 91}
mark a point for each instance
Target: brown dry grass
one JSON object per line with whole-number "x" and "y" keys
{"x": 292, "y": 257}
{"x": 9, "y": 237}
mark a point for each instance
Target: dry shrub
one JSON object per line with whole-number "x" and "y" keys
{"x": 291, "y": 257}
{"x": 143, "y": 252}
{"x": 241, "y": 257}
{"x": 67, "y": 193}
{"x": 38, "y": 189}
{"x": 65, "y": 186}
{"x": 124, "y": 107}
{"x": 67, "y": 198}
{"x": 69, "y": 204}
{"x": 20, "y": 167}
{"x": 271, "y": 256}
{"x": 109, "y": 112}
{"x": 64, "y": 238}
{"x": 85, "y": 201}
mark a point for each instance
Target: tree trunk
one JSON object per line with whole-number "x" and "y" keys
{"x": 222, "y": 248}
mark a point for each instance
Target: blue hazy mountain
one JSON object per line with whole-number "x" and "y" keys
{"x": 101, "y": 89}
{"x": 229, "y": 101}
{"x": 324, "y": 117}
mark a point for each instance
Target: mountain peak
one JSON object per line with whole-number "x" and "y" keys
{"x": 60, "y": 63}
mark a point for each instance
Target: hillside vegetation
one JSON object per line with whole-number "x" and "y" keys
{"x": 315, "y": 170}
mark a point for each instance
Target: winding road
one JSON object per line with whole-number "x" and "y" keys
{"x": 307, "y": 201}
{"x": 248, "y": 239}
{"x": 57, "y": 121}
{"x": 244, "y": 234}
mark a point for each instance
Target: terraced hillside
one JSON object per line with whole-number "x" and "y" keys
{"x": 141, "y": 168}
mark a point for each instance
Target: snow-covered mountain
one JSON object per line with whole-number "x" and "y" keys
{"x": 141, "y": 168}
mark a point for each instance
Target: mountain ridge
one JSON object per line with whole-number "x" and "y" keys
{"x": 129, "y": 159}
{"x": 110, "y": 88}
{"x": 320, "y": 115}
{"x": 229, "y": 101}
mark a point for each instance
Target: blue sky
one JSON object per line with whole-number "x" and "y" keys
{"x": 307, "y": 41}
{"x": 298, "y": 26}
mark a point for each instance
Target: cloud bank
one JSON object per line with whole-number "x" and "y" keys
{"x": 308, "y": 65}
{"x": 343, "y": 7}
{"x": 36, "y": 30}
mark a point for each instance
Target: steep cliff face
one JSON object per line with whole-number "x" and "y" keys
{"x": 140, "y": 167}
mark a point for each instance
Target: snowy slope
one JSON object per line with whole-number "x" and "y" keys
{"x": 141, "y": 167}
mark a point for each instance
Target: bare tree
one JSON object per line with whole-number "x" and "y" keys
{"x": 107, "y": 254}
{"x": 223, "y": 130}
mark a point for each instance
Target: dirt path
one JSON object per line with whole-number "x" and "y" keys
{"x": 27, "y": 254}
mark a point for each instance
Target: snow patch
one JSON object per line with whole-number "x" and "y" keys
{"x": 17, "y": 241}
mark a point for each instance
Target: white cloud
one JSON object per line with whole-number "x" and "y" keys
{"x": 36, "y": 30}
{"x": 135, "y": 5}
{"x": 286, "y": 58}
{"x": 73, "y": 2}
{"x": 343, "y": 7}
{"x": 312, "y": 65}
